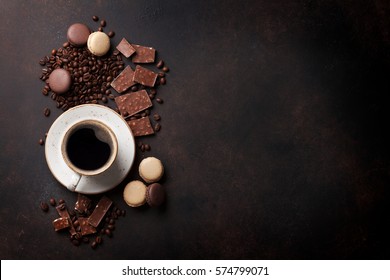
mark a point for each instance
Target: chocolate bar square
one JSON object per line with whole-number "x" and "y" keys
{"x": 144, "y": 76}
{"x": 133, "y": 102}
{"x": 125, "y": 48}
{"x": 63, "y": 212}
{"x": 141, "y": 127}
{"x": 82, "y": 204}
{"x": 61, "y": 223}
{"x": 86, "y": 228}
{"x": 124, "y": 80}
{"x": 100, "y": 210}
{"x": 143, "y": 54}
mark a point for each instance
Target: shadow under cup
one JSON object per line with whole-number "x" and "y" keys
{"x": 89, "y": 147}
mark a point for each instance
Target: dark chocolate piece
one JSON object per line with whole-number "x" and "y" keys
{"x": 141, "y": 127}
{"x": 132, "y": 103}
{"x": 86, "y": 228}
{"x": 61, "y": 223}
{"x": 143, "y": 54}
{"x": 82, "y": 204}
{"x": 63, "y": 212}
{"x": 125, "y": 48}
{"x": 124, "y": 80}
{"x": 144, "y": 76}
{"x": 100, "y": 210}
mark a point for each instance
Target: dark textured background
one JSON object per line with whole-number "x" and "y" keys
{"x": 274, "y": 131}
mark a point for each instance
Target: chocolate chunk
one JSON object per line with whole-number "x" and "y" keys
{"x": 99, "y": 211}
{"x": 63, "y": 212}
{"x": 61, "y": 223}
{"x": 86, "y": 228}
{"x": 134, "y": 102}
{"x": 82, "y": 204}
{"x": 124, "y": 80}
{"x": 141, "y": 127}
{"x": 125, "y": 48}
{"x": 144, "y": 76}
{"x": 143, "y": 54}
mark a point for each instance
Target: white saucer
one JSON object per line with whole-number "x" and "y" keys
{"x": 122, "y": 164}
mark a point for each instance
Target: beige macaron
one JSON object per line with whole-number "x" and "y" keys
{"x": 98, "y": 43}
{"x": 134, "y": 193}
{"x": 151, "y": 169}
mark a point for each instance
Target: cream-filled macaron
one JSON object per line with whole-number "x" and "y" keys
{"x": 98, "y": 43}
{"x": 134, "y": 193}
{"x": 151, "y": 169}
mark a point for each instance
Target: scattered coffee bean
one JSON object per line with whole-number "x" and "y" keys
{"x": 94, "y": 244}
{"x": 111, "y": 227}
{"x": 147, "y": 147}
{"x": 62, "y": 206}
{"x": 108, "y": 232}
{"x": 44, "y": 206}
{"x": 95, "y": 18}
{"x": 165, "y": 69}
{"x": 98, "y": 240}
{"x": 111, "y": 34}
{"x": 161, "y": 74}
{"x": 103, "y": 23}
{"x": 159, "y": 100}
{"x": 52, "y": 202}
{"x": 61, "y": 201}
{"x": 41, "y": 142}
{"x": 100, "y": 29}
{"x": 156, "y": 117}
{"x": 163, "y": 81}
{"x": 75, "y": 242}
{"x": 160, "y": 64}
{"x": 157, "y": 127}
{"x": 134, "y": 88}
{"x": 46, "y": 112}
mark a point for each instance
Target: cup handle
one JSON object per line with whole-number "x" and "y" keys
{"x": 75, "y": 179}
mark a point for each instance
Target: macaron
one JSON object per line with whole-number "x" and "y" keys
{"x": 98, "y": 43}
{"x": 59, "y": 80}
{"x": 155, "y": 195}
{"x": 151, "y": 169}
{"x": 134, "y": 193}
{"x": 78, "y": 34}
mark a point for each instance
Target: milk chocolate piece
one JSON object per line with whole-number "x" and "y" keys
{"x": 125, "y": 48}
{"x": 86, "y": 228}
{"x": 141, "y": 127}
{"x": 100, "y": 210}
{"x": 132, "y": 103}
{"x": 143, "y": 54}
{"x": 124, "y": 80}
{"x": 82, "y": 204}
{"x": 144, "y": 76}
{"x": 61, "y": 223}
{"x": 63, "y": 212}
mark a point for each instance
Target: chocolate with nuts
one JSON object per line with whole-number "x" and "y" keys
{"x": 132, "y": 103}
{"x": 141, "y": 127}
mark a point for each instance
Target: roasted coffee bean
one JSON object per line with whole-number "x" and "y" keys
{"x": 52, "y": 202}
{"x": 153, "y": 91}
{"x": 53, "y": 52}
{"x": 108, "y": 232}
{"x": 103, "y": 23}
{"x": 151, "y": 96}
{"x": 41, "y": 142}
{"x": 65, "y": 45}
{"x": 62, "y": 206}
{"x": 147, "y": 147}
{"x": 45, "y": 92}
{"x": 111, "y": 227}
{"x": 111, "y": 221}
{"x": 157, "y": 127}
{"x": 100, "y": 29}
{"x": 42, "y": 62}
{"x": 111, "y": 34}
{"x": 134, "y": 88}
{"x": 78, "y": 236}
{"x": 118, "y": 212}
{"x": 76, "y": 223}
{"x": 75, "y": 242}
{"x": 156, "y": 117}
{"x": 165, "y": 69}
{"x": 123, "y": 212}
{"x": 95, "y": 18}
{"x": 61, "y": 201}
{"x": 160, "y": 64}
{"x": 163, "y": 81}
{"x": 44, "y": 206}
{"x": 142, "y": 148}
{"x": 159, "y": 100}
{"x": 94, "y": 244}
{"x": 161, "y": 74}
{"x": 99, "y": 240}
{"x": 85, "y": 239}
{"x": 46, "y": 112}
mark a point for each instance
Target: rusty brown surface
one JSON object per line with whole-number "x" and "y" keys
{"x": 274, "y": 130}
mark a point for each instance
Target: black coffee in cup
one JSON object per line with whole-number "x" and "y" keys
{"x": 86, "y": 151}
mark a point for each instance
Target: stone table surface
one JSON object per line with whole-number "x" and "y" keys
{"x": 274, "y": 130}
